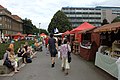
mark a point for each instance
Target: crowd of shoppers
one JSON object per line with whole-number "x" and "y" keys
{"x": 53, "y": 46}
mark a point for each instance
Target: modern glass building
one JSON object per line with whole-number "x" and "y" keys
{"x": 94, "y": 16}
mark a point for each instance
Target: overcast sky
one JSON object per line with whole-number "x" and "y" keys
{"x": 42, "y": 11}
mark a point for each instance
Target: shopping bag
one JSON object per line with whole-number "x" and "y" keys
{"x": 69, "y": 57}
{"x": 58, "y": 54}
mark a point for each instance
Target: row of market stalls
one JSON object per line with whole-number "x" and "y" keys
{"x": 20, "y": 36}
{"x": 81, "y": 38}
{"x": 99, "y": 44}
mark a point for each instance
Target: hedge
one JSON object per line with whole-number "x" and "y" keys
{"x": 17, "y": 44}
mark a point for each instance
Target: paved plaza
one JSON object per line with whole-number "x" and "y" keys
{"x": 40, "y": 69}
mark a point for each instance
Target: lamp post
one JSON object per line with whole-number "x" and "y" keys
{"x": 39, "y": 28}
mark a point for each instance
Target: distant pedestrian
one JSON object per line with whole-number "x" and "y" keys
{"x": 46, "y": 45}
{"x": 46, "y": 41}
{"x": 65, "y": 47}
{"x": 52, "y": 48}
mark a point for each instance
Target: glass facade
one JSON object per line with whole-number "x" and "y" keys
{"x": 78, "y": 15}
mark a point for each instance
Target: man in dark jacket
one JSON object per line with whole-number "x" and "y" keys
{"x": 52, "y": 48}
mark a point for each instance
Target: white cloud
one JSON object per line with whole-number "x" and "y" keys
{"x": 41, "y": 11}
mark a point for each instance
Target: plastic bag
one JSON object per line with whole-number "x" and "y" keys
{"x": 58, "y": 54}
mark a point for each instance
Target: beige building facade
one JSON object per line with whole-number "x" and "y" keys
{"x": 9, "y": 24}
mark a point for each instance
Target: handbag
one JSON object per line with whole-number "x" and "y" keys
{"x": 28, "y": 60}
{"x": 7, "y": 62}
{"x": 69, "y": 55}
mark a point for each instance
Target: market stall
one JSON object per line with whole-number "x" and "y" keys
{"x": 89, "y": 44}
{"x": 31, "y": 37}
{"x": 76, "y": 43}
{"x": 109, "y": 50}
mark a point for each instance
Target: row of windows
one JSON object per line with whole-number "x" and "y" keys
{"x": 7, "y": 26}
{"x": 8, "y": 23}
{"x": 88, "y": 22}
{"x": 84, "y": 20}
{"x": 8, "y": 32}
{"x": 115, "y": 12}
{"x": 67, "y": 8}
{"x": 6, "y": 19}
{"x": 78, "y": 11}
{"x": 99, "y": 13}
{"x": 83, "y": 15}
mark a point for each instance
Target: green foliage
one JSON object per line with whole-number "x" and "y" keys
{"x": 43, "y": 31}
{"x": 59, "y": 21}
{"x": 17, "y": 44}
{"x": 117, "y": 19}
{"x": 29, "y": 28}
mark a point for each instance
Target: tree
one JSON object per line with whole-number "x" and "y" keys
{"x": 105, "y": 22}
{"x": 117, "y": 19}
{"x": 59, "y": 21}
{"x": 29, "y": 28}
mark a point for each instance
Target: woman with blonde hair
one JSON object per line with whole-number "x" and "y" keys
{"x": 13, "y": 60}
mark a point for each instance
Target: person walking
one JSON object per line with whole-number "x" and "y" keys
{"x": 65, "y": 47}
{"x": 46, "y": 45}
{"x": 52, "y": 48}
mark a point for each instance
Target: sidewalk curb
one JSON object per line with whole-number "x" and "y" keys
{"x": 12, "y": 73}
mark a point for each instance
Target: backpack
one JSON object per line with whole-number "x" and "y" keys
{"x": 28, "y": 60}
{"x": 7, "y": 62}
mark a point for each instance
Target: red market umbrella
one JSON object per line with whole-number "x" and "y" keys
{"x": 42, "y": 34}
{"x": 18, "y": 34}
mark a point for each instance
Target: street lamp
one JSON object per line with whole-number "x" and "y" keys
{"x": 39, "y": 28}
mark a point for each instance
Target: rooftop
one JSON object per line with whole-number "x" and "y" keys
{"x": 1, "y": 7}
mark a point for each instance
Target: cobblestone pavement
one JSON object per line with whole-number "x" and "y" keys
{"x": 40, "y": 69}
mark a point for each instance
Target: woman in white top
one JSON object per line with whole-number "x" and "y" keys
{"x": 65, "y": 47}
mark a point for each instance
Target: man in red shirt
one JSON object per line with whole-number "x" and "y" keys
{"x": 46, "y": 45}
{"x": 46, "y": 41}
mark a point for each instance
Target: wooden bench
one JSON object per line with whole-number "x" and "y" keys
{"x": 6, "y": 70}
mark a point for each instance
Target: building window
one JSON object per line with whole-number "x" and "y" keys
{"x": 6, "y": 32}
